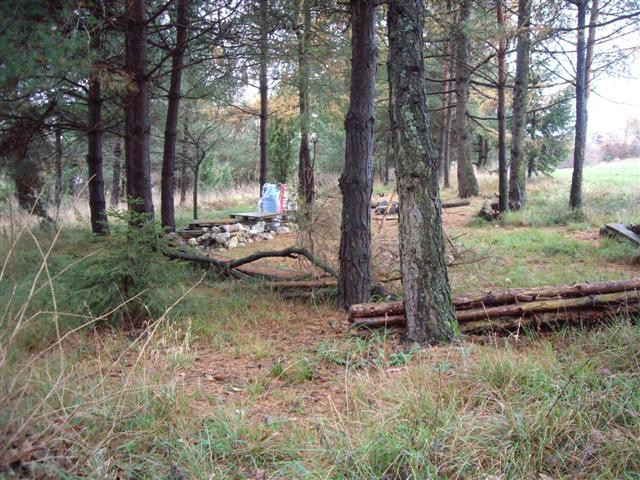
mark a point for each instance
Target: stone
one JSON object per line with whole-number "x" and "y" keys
{"x": 257, "y": 228}
{"x": 192, "y": 242}
{"x": 232, "y": 242}
{"x": 221, "y": 238}
{"x": 216, "y": 230}
{"x": 234, "y": 227}
{"x": 282, "y": 230}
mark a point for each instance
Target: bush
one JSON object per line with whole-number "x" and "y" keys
{"x": 124, "y": 282}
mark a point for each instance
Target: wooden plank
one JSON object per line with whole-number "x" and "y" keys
{"x": 620, "y": 230}
{"x": 211, "y": 223}
{"x": 256, "y": 215}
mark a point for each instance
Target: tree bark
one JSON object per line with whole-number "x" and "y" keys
{"x": 184, "y": 179}
{"x": 167, "y": 210}
{"x": 137, "y": 126}
{"x": 447, "y": 153}
{"x": 115, "y": 178}
{"x": 467, "y": 183}
{"x": 575, "y": 197}
{"x": 196, "y": 174}
{"x": 58, "y": 168}
{"x": 503, "y": 167}
{"x": 427, "y": 295}
{"x": 306, "y": 180}
{"x": 97, "y": 201}
{"x": 517, "y": 173}
{"x": 356, "y": 181}
{"x": 591, "y": 42}
{"x": 264, "y": 92}
{"x": 445, "y": 119}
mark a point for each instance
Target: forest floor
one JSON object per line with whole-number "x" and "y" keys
{"x": 234, "y": 382}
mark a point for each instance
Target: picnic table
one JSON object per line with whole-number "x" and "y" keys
{"x": 258, "y": 216}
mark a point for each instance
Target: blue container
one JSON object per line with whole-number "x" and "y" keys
{"x": 270, "y": 199}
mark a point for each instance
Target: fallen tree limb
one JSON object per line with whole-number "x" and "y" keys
{"x": 538, "y": 319}
{"x": 227, "y": 267}
{"x": 526, "y": 308}
{"x": 580, "y": 302}
{"x": 459, "y": 203}
{"x": 500, "y": 297}
{"x": 302, "y": 284}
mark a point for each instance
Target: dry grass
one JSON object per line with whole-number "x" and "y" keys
{"x": 299, "y": 398}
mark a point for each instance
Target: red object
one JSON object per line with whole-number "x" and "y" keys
{"x": 282, "y": 197}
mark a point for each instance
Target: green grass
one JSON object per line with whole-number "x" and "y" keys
{"x": 527, "y": 256}
{"x": 185, "y": 215}
{"x": 610, "y": 191}
{"x": 104, "y": 404}
{"x": 569, "y": 409}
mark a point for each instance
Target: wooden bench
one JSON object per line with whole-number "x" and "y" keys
{"x": 620, "y": 230}
{"x": 258, "y": 216}
{"x": 211, "y": 223}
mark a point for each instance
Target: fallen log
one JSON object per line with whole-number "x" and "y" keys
{"x": 459, "y": 203}
{"x": 302, "y": 284}
{"x": 469, "y": 301}
{"x": 523, "y": 309}
{"x": 230, "y": 267}
{"x": 581, "y": 315}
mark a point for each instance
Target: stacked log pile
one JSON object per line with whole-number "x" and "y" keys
{"x": 586, "y": 302}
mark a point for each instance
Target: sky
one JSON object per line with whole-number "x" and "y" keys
{"x": 613, "y": 101}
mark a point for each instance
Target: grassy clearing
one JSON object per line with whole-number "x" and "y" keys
{"x": 524, "y": 257}
{"x": 82, "y": 397}
{"x": 611, "y": 194}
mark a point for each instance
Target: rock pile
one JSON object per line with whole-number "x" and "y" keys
{"x": 239, "y": 235}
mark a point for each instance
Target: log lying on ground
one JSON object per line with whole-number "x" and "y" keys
{"x": 510, "y": 308}
{"x": 491, "y": 298}
{"x": 231, "y": 267}
{"x": 580, "y": 316}
{"x": 302, "y": 284}
{"x": 459, "y": 203}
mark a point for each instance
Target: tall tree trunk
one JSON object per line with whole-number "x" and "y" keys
{"x": 388, "y": 160}
{"x": 445, "y": 116}
{"x": 356, "y": 181}
{"x": 137, "y": 127}
{"x": 196, "y": 174}
{"x": 394, "y": 134}
{"x": 591, "y": 43}
{"x": 184, "y": 180}
{"x": 427, "y": 296}
{"x": 306, "y": 180}
{"x": 58, "y": 167}
{"x": 575, "y": 197}
{"x": 503, "y": 167}
{"x": 467, "y": 183}
{"x": 167, "y": 210}
{"x": 517, "y": 173}
{"x": 447, "y": 146}
{"x": 97, "y": 201}
{"x": 115, "y": 179}
{"x": 264, "y": 92}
